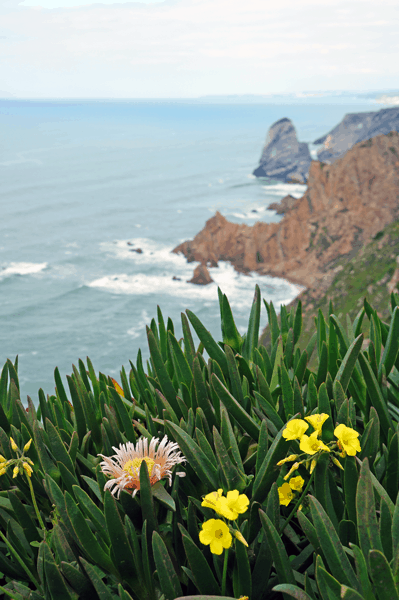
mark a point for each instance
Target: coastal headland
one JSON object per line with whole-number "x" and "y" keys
{"x": 345, "y": 205}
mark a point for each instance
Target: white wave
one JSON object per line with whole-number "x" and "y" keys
{"x": 283, "y": 189}
{"x": 22, "y": 268}
{"x": 151, "y": 252}
{"x": 251, "y": 176}
{"x": 239, "y": 288}
{"x": 255, "y": 212}
{"x": 139, "y": 328}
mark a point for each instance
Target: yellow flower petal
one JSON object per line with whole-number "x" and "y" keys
{"x": 296, "y": 483}
{"x": 348, "y": 439}
{"x": 295, "y": 429}
{"x": 317, "y": 421}
{"x": 216, "y": 534}
{"x": 311, "y": 444}
{"x": 285, "y": 494}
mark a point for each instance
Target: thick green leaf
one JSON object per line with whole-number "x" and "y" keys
{"x": 251, "y": 340}
{"x": 369, "y": 537}
{"x": 165, "y": 382}
{"x": 213, "y": 349}
{"x": 100, "y": 587}
{"x": 332, "y": 548}
{"x": 382, "y": 577}
{"x": 168, "y": 579}
{"x": 277, "y": 549}
{"x": 204, "y": 578}
{"x": 242, "y": 575}
{"x": 87, "y": 539}
{"x": 54, "y": 580}
{"x": 376, "y": 396}
{"x": 240, "y": 415}
{"x": 268, "y": 473}
{"x": 122, "y": 555}
{"x": 229, "y": 329}
{"x": 193, "y": 453}
{"x": 349, "y": 361}
{"x": 292, "y": 590}
{"x": 236, "y": 479}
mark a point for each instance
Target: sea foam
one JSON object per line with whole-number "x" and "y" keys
{"x": 22, "y": 268}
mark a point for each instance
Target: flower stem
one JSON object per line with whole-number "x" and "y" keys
{"x": 32, "y": 493}
{"x": 298, "y": 502}
{"x": 21, "y": 562}
{"x": 226, "y": 559}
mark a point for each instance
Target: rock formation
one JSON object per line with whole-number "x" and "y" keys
{"x": 283, "y": 157}
{"x": 284, "y": 205}
{"x": 201, "y": 276}
{"x": 345, "y": 204}
{"x": 355, "y": 128}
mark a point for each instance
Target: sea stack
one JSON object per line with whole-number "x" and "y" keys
{"x": 283, "y": 157}
{"x": 355, "y": 128}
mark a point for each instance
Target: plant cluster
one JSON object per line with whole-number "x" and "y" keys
{"x": 223, "y": 471}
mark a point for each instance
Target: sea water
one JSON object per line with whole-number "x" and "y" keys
{"x": 85, "y": 184}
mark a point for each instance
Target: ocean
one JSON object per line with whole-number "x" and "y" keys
{"x": 86, "y": 183}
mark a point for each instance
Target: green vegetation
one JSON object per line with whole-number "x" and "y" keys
{"x": 291, "y": 473}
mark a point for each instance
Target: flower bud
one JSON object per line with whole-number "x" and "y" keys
{"x": 312, "y": 465}
{"x": 27, "y": 468}
{"x": 15, "y": 471}
{"x": 337, "y": 463}
{"x": 289, "y": 458}
{"x": 241, "y": 538}
{"x": 2, "y": 471}
{"x": 27, "y": 445}
{"x": 293, "y": 468}
{"x": 13, "y": 445}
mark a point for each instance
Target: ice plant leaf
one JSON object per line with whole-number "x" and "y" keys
{"x": 332, "y": 548}
{"x": 268, "y": 473}
{"x": 348, "y": 362}
{"x": 382, "y": 577}
{"x": 203, "y": 575}
{"x": 377, "y": 399}
{"x": 54, "y": 580}
{"x": 122, "y": 555}
{"x": 241, "y": 416}
{"x": 197, "y": 459}
{"x": 213, "y": 349}
{"x": 100, "y": 587}
{"x": 251, "y": 340}
{"x": 165, "y": 382}
{"x": 277, "y": 549}
{"x": 369, "y": 537}
{"x": 292, "y": 590}
{"x": 168, "y": 579}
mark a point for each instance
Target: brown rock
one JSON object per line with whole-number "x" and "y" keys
{"x": 201, "y": 276}
{"x": 345, "y": 205}
{"x": 284, "y": 205}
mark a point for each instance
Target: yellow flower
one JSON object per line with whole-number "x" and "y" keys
{"x": 2, "y": 471}
{"x": 234, "y": 505}
{"x": 216, "y": 533}
{"x": 241, "y": 538}
{"x": 295, "y": 429}
{"x": 27, "y": 445}
{"x": 125, "y": 464}
{"x": 15, "y": 471}
{"x": 285, "y": 494}
{"x": 296, "y": 483}
{"x": 212, "y": 500}
{"x": 317, "y": 421}
{"x": 229, "y": 507}
{"x": 289, "y": 458}
{"x": 27, "y": 468}
{"x": 311, "y": 444}
{"x": 13, "y": 445}
{"x": 347, "y": 439}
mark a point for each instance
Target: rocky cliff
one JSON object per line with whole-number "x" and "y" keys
{"x": 283, "y": 157}
{"x": 344, "y": 206}
{"x": 355, "y": 128}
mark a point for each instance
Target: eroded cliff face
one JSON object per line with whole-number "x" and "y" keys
{"x": 345, "y": 205}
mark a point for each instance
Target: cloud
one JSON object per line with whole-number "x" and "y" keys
{"x": 193, "y": 47}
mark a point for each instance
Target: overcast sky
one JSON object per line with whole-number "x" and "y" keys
{"x": 190, "y": 48}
